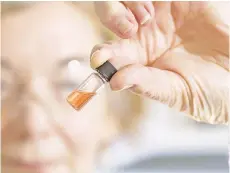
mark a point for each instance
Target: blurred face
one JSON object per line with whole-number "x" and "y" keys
{"x": 45, "y": 50}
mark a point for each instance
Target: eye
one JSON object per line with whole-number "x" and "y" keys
{"x": 71, "y": 77}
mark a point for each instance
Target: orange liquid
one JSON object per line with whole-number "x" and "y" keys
{"x": 78, "y": 99}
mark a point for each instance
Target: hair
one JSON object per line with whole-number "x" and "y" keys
{"x": 127, "y": 123}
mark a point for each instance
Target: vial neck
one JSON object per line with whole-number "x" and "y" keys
{"x": 101, "y": 77}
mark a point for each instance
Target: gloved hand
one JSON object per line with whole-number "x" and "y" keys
{"x": 173, "y": 52}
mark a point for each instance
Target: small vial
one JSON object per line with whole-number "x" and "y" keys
{"x": 89, "y": 87}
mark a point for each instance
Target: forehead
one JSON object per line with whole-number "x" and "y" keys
{"x": 47, "y": 32}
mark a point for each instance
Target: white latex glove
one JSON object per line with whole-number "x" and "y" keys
{"x": 173, "y": 52}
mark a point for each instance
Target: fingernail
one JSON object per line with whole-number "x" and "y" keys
{"x": 145, "y": 19}
{"x": 93, "y": 63}
{"x": 124, "y": 88}
{"x": 222, "y": 28}
{"x": 125, "y": 26}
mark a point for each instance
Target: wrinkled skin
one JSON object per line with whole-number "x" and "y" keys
{"x": 179, "y": 56}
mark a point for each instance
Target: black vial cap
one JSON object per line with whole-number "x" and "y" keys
{"x": 107, "y": 70}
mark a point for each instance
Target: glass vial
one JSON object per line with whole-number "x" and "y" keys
{"x": 89, "y": 87}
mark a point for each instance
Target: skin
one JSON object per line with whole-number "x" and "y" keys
{"x": 41, "y": 132}
{"x": 35, "y": 85}
{"x": 178, "y": 56}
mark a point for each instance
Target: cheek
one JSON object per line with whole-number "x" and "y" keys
{"x": 9, "y": 112}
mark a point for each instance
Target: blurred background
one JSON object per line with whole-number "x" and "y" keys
{"x": 169, "y": 142}
{"x": 166, "y": 141}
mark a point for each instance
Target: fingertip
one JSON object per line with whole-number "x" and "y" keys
{"x": 130, "y": 32}
{"x": 93, "y": 59}
{"x": 116, "y": 17}
{"x": 95, "y": 49}
{"x": 125, "y": 27}
{"x": 124, "y": 78}
{"x": 141, "y": 13}
{"x": 98, "y": 58}
{"x": 150, "y": 8}
{"x": 145, "y": 19}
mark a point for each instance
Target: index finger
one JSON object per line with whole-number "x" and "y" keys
{"x": 116, "y": 17}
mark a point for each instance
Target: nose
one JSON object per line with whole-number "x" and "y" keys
{"x": 35, "y": 122}
{"x": 36, "y": 118}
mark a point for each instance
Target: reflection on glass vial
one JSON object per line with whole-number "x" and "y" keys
{"x": 88, "y": 88}
{"x": 85, "y": 91}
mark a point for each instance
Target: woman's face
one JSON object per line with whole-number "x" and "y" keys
{"x": 45, "y": 51}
